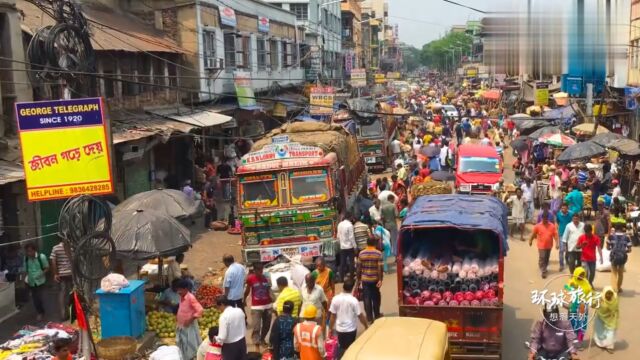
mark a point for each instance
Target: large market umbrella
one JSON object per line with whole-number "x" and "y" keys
{"x": 171, "y": 202}
{"x": 607, "y": 138}
{"x": 587, "y": 129}
{"x": 544, "y": 131}
{"x": 581, "y": 151}
{"x": 528, "y": 126}
{"x": 520, "y": 143}
{"x": 520, "y": 116}
{"x": 147, "y": 234}
{"x": 430, "y": 151}
{"x": 626, "y": 147}
{"x": 442, "y": 176}
{"x": 560, "y": 140}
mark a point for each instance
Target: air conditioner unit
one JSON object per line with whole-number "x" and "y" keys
{"x": 213, "y": 63}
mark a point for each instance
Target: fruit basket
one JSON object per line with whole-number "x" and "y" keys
{"x": 116, "y": 348}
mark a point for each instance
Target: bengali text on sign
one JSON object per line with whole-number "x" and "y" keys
{"x": 64, "y": 148}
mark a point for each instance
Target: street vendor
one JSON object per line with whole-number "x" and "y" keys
{"x": 170, "y": 299}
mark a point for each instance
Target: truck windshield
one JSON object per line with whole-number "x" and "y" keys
{"x": 479, "y": 165}
{"x": 371, "y": 130}
{"x": 308, "y": 186}
{"x": 259, "y": 194}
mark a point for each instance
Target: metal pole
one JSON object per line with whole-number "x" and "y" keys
{"x": 589, "y": 102}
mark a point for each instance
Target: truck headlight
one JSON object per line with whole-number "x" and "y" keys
{"x": 465, "y": 187}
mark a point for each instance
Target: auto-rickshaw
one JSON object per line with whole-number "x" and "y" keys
{"x": 401, "y": 338}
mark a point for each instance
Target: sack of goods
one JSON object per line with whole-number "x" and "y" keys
{"x": 471, "y": 282}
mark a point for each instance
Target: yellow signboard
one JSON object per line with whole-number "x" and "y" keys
{"x": 280, "y": 110}
{"x": 379, "y": 78}
{"x": 393, "y": 75}
{"x": 64, "y": 147}
{"x": 541, "y": 97}
{"x": 321, "y": 100}
{"x": 471, "y": 72}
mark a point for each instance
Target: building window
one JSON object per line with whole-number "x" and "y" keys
{"x": 243, "y": 46}
{"x": 273, "y": 48}
{"x": 301, "y": 11}
{"x": 325, "y": 17}
{"x": 208, "y": 44}
{"x": 230, "y": 50}
{"x": 263, "y": 53}
{"x": 287, "y": 54}
{"x": 172, "y": 69}
{"x": 109, "y": 85}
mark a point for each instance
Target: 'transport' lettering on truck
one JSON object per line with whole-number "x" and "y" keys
{"x": 290, "y": 194}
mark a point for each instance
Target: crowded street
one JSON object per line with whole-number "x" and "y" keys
{"x": 319, "y": 180}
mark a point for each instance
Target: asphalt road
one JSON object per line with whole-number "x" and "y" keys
{"x": 521, "y": 277}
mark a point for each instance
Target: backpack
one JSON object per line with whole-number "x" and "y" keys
{"x": 618, "y": 255}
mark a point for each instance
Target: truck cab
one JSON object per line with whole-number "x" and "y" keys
{"x": 291, "y": 194}
{"x": 478, "y": 169}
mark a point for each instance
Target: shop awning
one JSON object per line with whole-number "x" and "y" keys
{"x": 10, "y": 172}
{"x": 198, "y": 117}
{"x": 128, "y": 127}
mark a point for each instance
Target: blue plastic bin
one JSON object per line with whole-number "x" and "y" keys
{"x": 122, "y": 313}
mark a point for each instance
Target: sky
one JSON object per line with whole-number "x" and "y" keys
{"x": 421, "y": 21}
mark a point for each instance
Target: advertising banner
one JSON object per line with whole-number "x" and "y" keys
{"x": 541, "y": 97}
{"x": 379, "y": 78}
{"x": 64, "y": 148}
{"x": 244, "y": 91}
{"x": 263, "y": 24}
{"x": 321, "y": 100}
{"x": 315, "y": 60}
{"x": 270, "y": 254}
{"x": 393, "y": 75}
{"x": 348, "y": 62}
{"x": 358, "y": 78}
{"x": 228, "y": 16}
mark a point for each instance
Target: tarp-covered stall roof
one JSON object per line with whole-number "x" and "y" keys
{"x": 364, "y": 107}
{"x": 467, "y": 212}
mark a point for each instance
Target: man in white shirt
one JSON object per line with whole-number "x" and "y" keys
{"x": 396, "y": 148}
{"x": 348, "y": 246}
{"x": 232, "y": 330}
{"x": 444, "y": 155}
{"x": 528, "y": 195}
{"x": 384, "y": 196}
{"x": 345, "y": 312}
{"x": 570, "y": 239}
{"x": 374, "y": 211}
{"x": 616, "y": 190}
{"x": 313, "y": 294}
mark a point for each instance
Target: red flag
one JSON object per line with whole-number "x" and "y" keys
{"x": 82, "y": 320}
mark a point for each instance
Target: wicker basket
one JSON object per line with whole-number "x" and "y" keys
{"x": 116, "y": 348}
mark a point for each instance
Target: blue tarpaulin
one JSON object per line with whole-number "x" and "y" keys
{"x": 466, "y": 212}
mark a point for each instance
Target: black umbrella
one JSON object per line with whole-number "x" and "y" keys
{"x": 430, "y": 151}
{"x": 544, "y": 131}
{"x": 147, "y": 234}
{"x": 527, "y": 126}
{"x": 442, "y": 176}
{"x": 581, "y": 151}
{"x": 171, "y": 202}
{"x": 606, "y": 139}
{"x": 520, "y": 143}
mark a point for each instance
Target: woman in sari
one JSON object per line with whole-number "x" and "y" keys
{"x": 325, "y": 278}
{"x": 606, "y": 321}
{"x": 579, "y": 290}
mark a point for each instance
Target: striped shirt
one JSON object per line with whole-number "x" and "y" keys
{"x": 289, "y": 294}
{"x": 370, "y": 262}
{"x": 61, "y": 260}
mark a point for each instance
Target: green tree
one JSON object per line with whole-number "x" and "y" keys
{"x": 437, "y": 54}
{"x": 412, "y": 57}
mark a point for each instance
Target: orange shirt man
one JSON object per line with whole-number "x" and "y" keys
{"x": 545, "y": 233}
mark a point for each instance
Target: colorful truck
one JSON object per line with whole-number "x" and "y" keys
{"x": 375, "y": 128}
{"x": 450, "y": 268}
{"x": 293, "y": 187}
